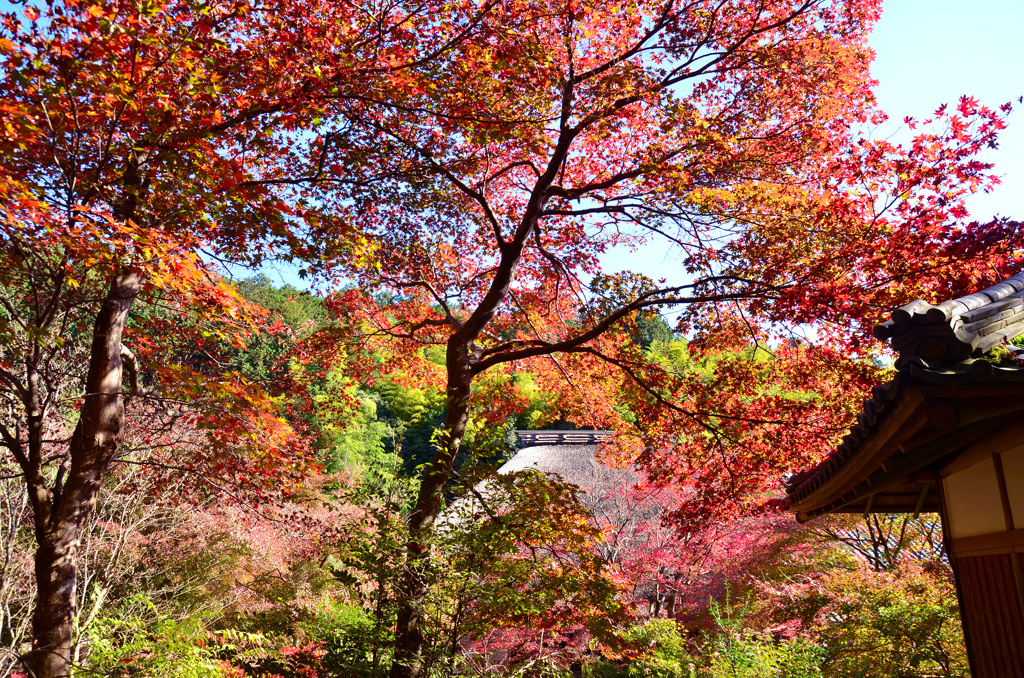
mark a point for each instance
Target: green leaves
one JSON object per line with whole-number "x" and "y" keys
{"x": 522, "y": 552}
{"x": 148, "y": 642}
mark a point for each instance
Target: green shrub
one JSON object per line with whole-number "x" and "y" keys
{"x": 664, "y": 654}
{"x": 348, "y": 637}
{"x": 757, "y": 656}
{"x": 152, "y": 645}
{"x": 733, "y": 650}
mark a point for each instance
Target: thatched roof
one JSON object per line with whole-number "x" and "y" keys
{"x": 571, "y": 455}
{"x": 576, "y": 464}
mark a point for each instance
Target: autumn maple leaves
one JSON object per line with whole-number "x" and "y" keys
{"x": 461, "y": 168}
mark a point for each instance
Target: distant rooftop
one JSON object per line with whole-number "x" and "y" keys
{"x": 528, "y": 438}
{"x": 572, "y": 455}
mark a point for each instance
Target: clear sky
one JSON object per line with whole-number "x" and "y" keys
{"x": 930, "y": 52}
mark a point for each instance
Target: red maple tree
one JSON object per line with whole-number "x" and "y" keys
{"x": 489, "y": 181}
{"x": 135, "y": 137}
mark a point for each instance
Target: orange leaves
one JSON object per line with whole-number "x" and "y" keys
{"x": 165, "y": 130}
{"x": 231, "y": 433}
{"x": 173, "y": 104}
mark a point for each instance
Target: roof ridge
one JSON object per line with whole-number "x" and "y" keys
{"x": 955, "y": 330}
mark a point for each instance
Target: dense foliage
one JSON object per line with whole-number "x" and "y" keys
{"x": 533, "y": 576}
{"x": 206, "y": 474}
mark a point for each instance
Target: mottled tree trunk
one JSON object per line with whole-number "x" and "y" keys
{"x": 462, "y": 363}
{"x": 52, "y": 622}
{"x": 409, "y": 661}
{"x": 61, "y": 516}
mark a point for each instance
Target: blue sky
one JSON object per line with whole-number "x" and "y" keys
{"x": 929, "y": 52}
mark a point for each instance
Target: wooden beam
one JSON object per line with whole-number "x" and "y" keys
{"x": 867, "y": 507}
{"x": 920, "y": 501}
{"x": 530, "y": 438}
{"x": 932, "y": 450}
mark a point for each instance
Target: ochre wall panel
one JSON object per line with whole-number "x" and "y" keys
{"x": 1013, "y": 470}
{"x": 973, "y": 502}
{"x": 993, "y": 620}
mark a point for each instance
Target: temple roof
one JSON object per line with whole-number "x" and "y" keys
{"x": 942, "y": 393}
{"x": 570, "y": 455}
{"x": 576, "y": 463}
{"x": 958, "y": 329}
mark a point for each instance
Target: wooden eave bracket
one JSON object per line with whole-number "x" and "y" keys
{"x": 874, "y": 450}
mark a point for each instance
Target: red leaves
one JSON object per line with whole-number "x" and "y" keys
{"x": 889, "y": 225}
{"x": 968, "y": 106}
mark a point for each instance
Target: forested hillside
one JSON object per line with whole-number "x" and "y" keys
{"x": 195, "y": 567}
{"x": 206, "y": 473}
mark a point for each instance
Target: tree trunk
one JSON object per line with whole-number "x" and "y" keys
{"x": 409, "y": 661}
{"x": 61, "y": 516}
{"x": 52, "y": 622}
{"x": 462, "y": 357}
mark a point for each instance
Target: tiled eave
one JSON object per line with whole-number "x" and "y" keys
{"x": 941, "y": 395}
{"x": 904, "y": 433}
{"x": 955, "y": 330}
